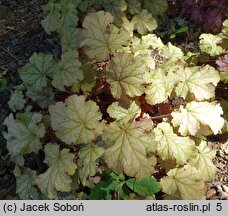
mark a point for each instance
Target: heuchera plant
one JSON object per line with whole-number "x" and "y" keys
{"x": 120, "y": 113}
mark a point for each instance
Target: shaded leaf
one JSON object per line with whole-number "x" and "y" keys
{"x": 89, "y": 81}
{"x": 51, "y": 21}
{"x": 43, "y": 98}
{"x": 24, "y": 133}
{"x": 26, "y": 185}
{"x": 68, "y": 71}
{"x": 134, "y": 6}
{"x": 115, "y": 7}
{"x": 34, "y": 74}
{"x": 144, "y": 187}
{"x": 70, "y": 39}
{"x": 144, "y": 22}
{"x": 17, "y": 101}
{"x": 156, "y": 7}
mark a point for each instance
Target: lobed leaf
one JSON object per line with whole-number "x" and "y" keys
{"x": 87, "y": 161}
{"x": 203, "y": 161}
{"x": 68, "y": 71}
{"x": 70, "y": 39}
{"x": 76, "y": 121}
{"x": 126, "y": 150}
{"x": 57, "y": 176}
{"x": 144, "y": 22}
{"x": 209, "y": 44}
{"x": 171, "y": 146}
{"x": 122, "y": 114}
{"x": 43, "y": 98}
{"x": 51, "y": 21}
{"x": 97, "y": 42}
{"x": 134, "y": 6}
{"x": 35, "y": 73}
{"x": 17, "y": 101}
{"x": 156, "y": 7}
{"x": 200, "y": 81}
{"x": 26, "y": 185}
{"x": 160, "y": 86}
{"x": 24, "y": 133}
{"x": 196, "y": 114}
{"x": 183, "y": 183}
{"x": 125, "y": 75}
{"x": 144, "y": 187}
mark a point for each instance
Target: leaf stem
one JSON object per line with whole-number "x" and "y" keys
{"x": 20, "y": 62}
{"x": 161, "y": 116}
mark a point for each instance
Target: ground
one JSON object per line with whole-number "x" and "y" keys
{"x": 20, "y": 36}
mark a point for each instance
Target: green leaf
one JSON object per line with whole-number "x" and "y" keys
{"x": 160, "y": 86}
{"x": 171, "y": 146}
{"x": 200, "y": 81}
{"x": 104, "y": 190}
{"x": 70, "y": 39}
{"x": 115, "y": 7}
{"x": 24, "y": 133}
{"x": 3, "y": 84}
{"x": 128, "y": 26}
{"x": 156, "y": 7}
{"x": 51, "y": 22}
{"x": 144, "y": 187}
{"x": 87, "y": 161}
{"x": 125, "y": 75}
{"x": 126, "y": 150}
{"x": 76, "y": 121}
{"x": 122, "y": 114}
{"x": 34, "y": 74}
{"x": 68, "y": 71}
{"x": 43, "y": 98}
{"x": 182, "y": 30}
{"x": 69, "y": 15}
{"x": 85, "y": 5}
{"x": 89, "y": 81}
{"x": 209, "y": 44}
{"x": 26, "y": 185}
{"x": 57, "y": 176}
{"x": 183, "y": 183}
{"x": 134, "y": 6}
{"x": 203, "y": 161}
{"x": 97, "y": 42}
{"x": 224, "y": 77}
{"x": 196, "y": 114}
{"x": 17, "y": 101}
{"x": 144, "y": 22}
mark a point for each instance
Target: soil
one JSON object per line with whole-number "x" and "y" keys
{"x": 20, "y": 36}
